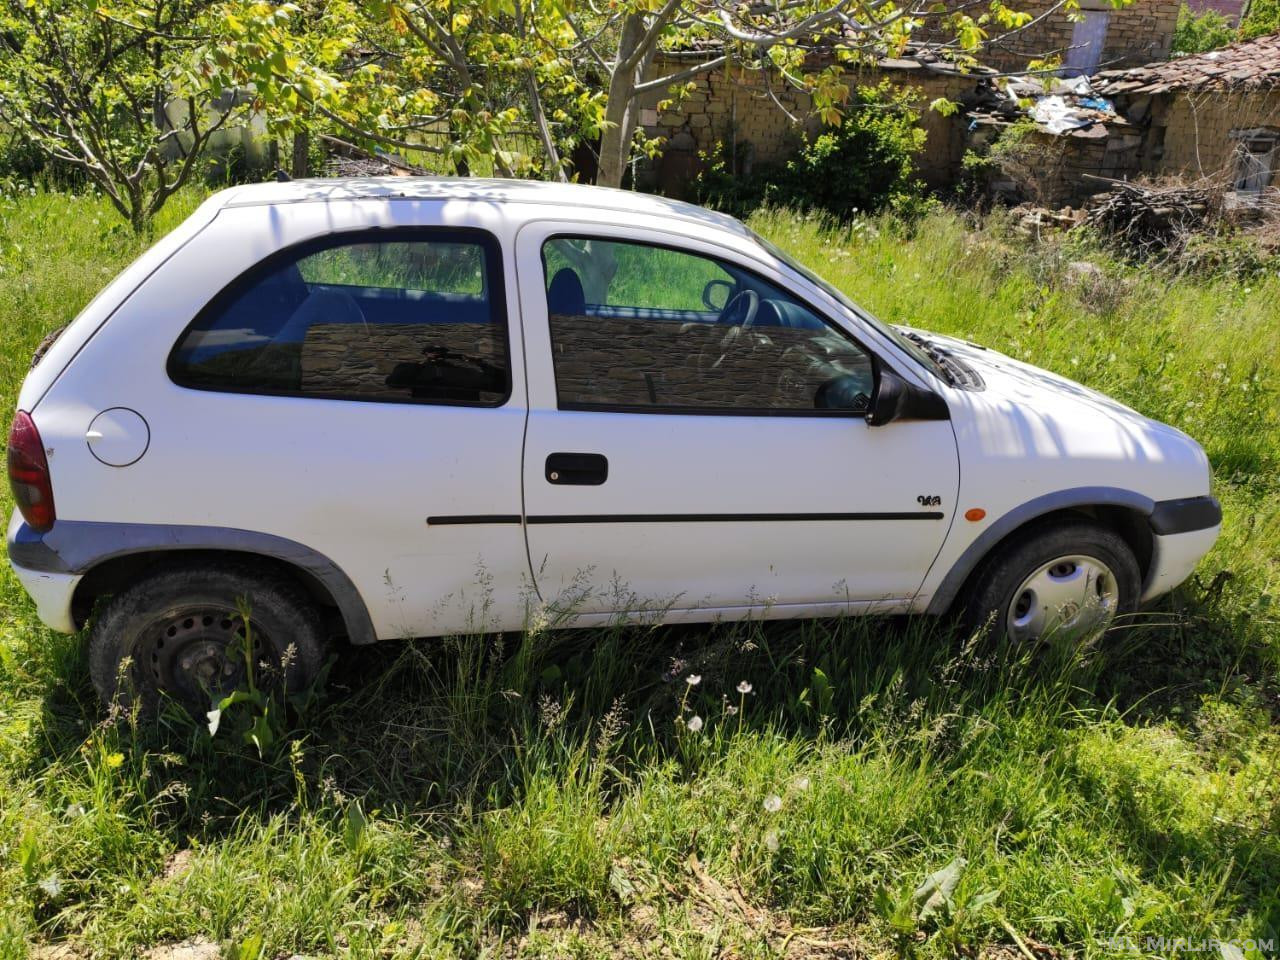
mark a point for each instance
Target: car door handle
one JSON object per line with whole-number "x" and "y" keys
{"x": 583, "y": 469}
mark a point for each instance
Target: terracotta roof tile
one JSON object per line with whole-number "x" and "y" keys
{"x": 1251, "y": 65}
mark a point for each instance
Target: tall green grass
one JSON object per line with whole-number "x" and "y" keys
{"x": 551, "y": 793}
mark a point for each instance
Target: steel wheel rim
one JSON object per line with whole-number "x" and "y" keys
{"x": 1072, "y": 595}
{"x": 196, "y": 654}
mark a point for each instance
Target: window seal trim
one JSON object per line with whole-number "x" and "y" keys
{"x": 688, "y": 411}
{"x": 495, "y": 278}
{"x": 877, "y": 364}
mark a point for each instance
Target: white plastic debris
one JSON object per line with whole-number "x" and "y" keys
{"x": 1057, "y": 116}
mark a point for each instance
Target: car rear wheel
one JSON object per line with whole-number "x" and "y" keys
{"x": 1072, "y": 579}
{"x": 181, "y": 634}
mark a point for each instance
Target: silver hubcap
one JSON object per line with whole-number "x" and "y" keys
{"x": 1073, "y": 595}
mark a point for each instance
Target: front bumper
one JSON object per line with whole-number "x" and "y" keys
{"x": 1183, "y": 531}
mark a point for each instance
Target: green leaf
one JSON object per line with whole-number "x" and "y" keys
{"x": 936, "y": 893}
{"x": 621, "y": 884}
{"x": 354, "y": 825}
{"x": 982, "y": 900}
{"x": 260, "y": 734}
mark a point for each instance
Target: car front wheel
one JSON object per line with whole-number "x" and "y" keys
{"x": 1070, "y": 579}
{"x": 194, "y": 634}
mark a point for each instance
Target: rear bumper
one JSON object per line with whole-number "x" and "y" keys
{"x": 1183, "y": 531}
{"x": 51, "y": 589}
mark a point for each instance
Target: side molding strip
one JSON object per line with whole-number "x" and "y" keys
{"x": 555, "y": 518}
{"x": 727, "y": 517}
{"x": 473, "y": 519}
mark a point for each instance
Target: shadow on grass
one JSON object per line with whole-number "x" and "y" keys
{"x": 434, "y": 732}
{"x": 428, "y": 725}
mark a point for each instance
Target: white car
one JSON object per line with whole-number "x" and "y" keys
{"x": 414, "y": 407}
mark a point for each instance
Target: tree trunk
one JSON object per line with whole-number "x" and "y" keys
{"x": 595, "y": 264}
{"x": 300, "y": 162}
{"x": 619, "y": 113}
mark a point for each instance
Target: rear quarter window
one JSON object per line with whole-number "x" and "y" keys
{"x": 408, "y": 316}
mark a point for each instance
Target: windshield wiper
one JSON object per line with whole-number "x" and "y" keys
{"x": 954, "y": 370}
{"x": 940, "y": 357}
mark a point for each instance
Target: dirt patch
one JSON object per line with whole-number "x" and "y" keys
{"x": 177, "y": 864}
{"x": 56, "y": 951}
{"x": 196, "y": 948}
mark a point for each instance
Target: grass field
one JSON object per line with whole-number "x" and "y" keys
{"x": 882, "y": 790}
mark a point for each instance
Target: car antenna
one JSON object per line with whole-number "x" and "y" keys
{"x": 281, "y": 176}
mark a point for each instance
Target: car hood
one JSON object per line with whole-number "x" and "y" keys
{"x": 1024, "y": 412}
{"x": 1023, "y": 383}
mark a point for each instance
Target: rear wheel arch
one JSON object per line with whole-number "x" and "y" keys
{"x": 117, "y": 573}
{"x": 1123, "y": 512}
{"x": 322, "y": 581}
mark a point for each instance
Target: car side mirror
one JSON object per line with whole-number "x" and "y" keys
{"x": 896, "y": 399}
{"x": 716, "y": 294}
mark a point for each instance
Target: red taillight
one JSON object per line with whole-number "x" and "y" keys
{"x": 29, "y": 474}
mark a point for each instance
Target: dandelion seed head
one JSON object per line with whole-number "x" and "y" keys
{"x": 694, "y": 724}
{"x": 772, "y": 803}
{"x": 693, "y": 679}
{"x": 744, "y": 688}
{"x": 771, "y": 841}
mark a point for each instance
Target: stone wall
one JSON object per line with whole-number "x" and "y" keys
{"x": 462, "y": 361}
{"x": 1062, "y": 170}
{"x": 762, "y": 120}
{"x": 1191, "y": 133}
{"x": 656, "y": 363}
{"x": 1137, "y": 34}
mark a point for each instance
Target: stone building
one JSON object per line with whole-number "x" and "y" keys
{"x": 1060, "y": 170}
{"x": 761, "y": 119}
{"x": 1214, "y": 116}
{"x": 1098, "y": 37}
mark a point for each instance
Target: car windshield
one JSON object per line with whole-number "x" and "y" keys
{"x": 914, "y": 349}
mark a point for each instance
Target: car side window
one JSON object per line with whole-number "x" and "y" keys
{"x": 645, "y": 328}
{"x": 412, "y": 317}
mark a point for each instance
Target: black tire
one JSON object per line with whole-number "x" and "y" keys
{"x": 174, "y": 627}
{"x": 990, "y": 596}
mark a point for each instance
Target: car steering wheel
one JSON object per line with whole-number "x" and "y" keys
{"x": 746, "y": 303}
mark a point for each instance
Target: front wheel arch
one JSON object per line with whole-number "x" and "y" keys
{"x": 1121, "y": 511}
{"x": 1063, "y": 539}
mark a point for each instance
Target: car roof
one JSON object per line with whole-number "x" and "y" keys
{"x": 468, "y": 188}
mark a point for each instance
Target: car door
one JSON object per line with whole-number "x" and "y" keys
{"x": 697, "y": 438}
{"x": 356, "y": 393}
